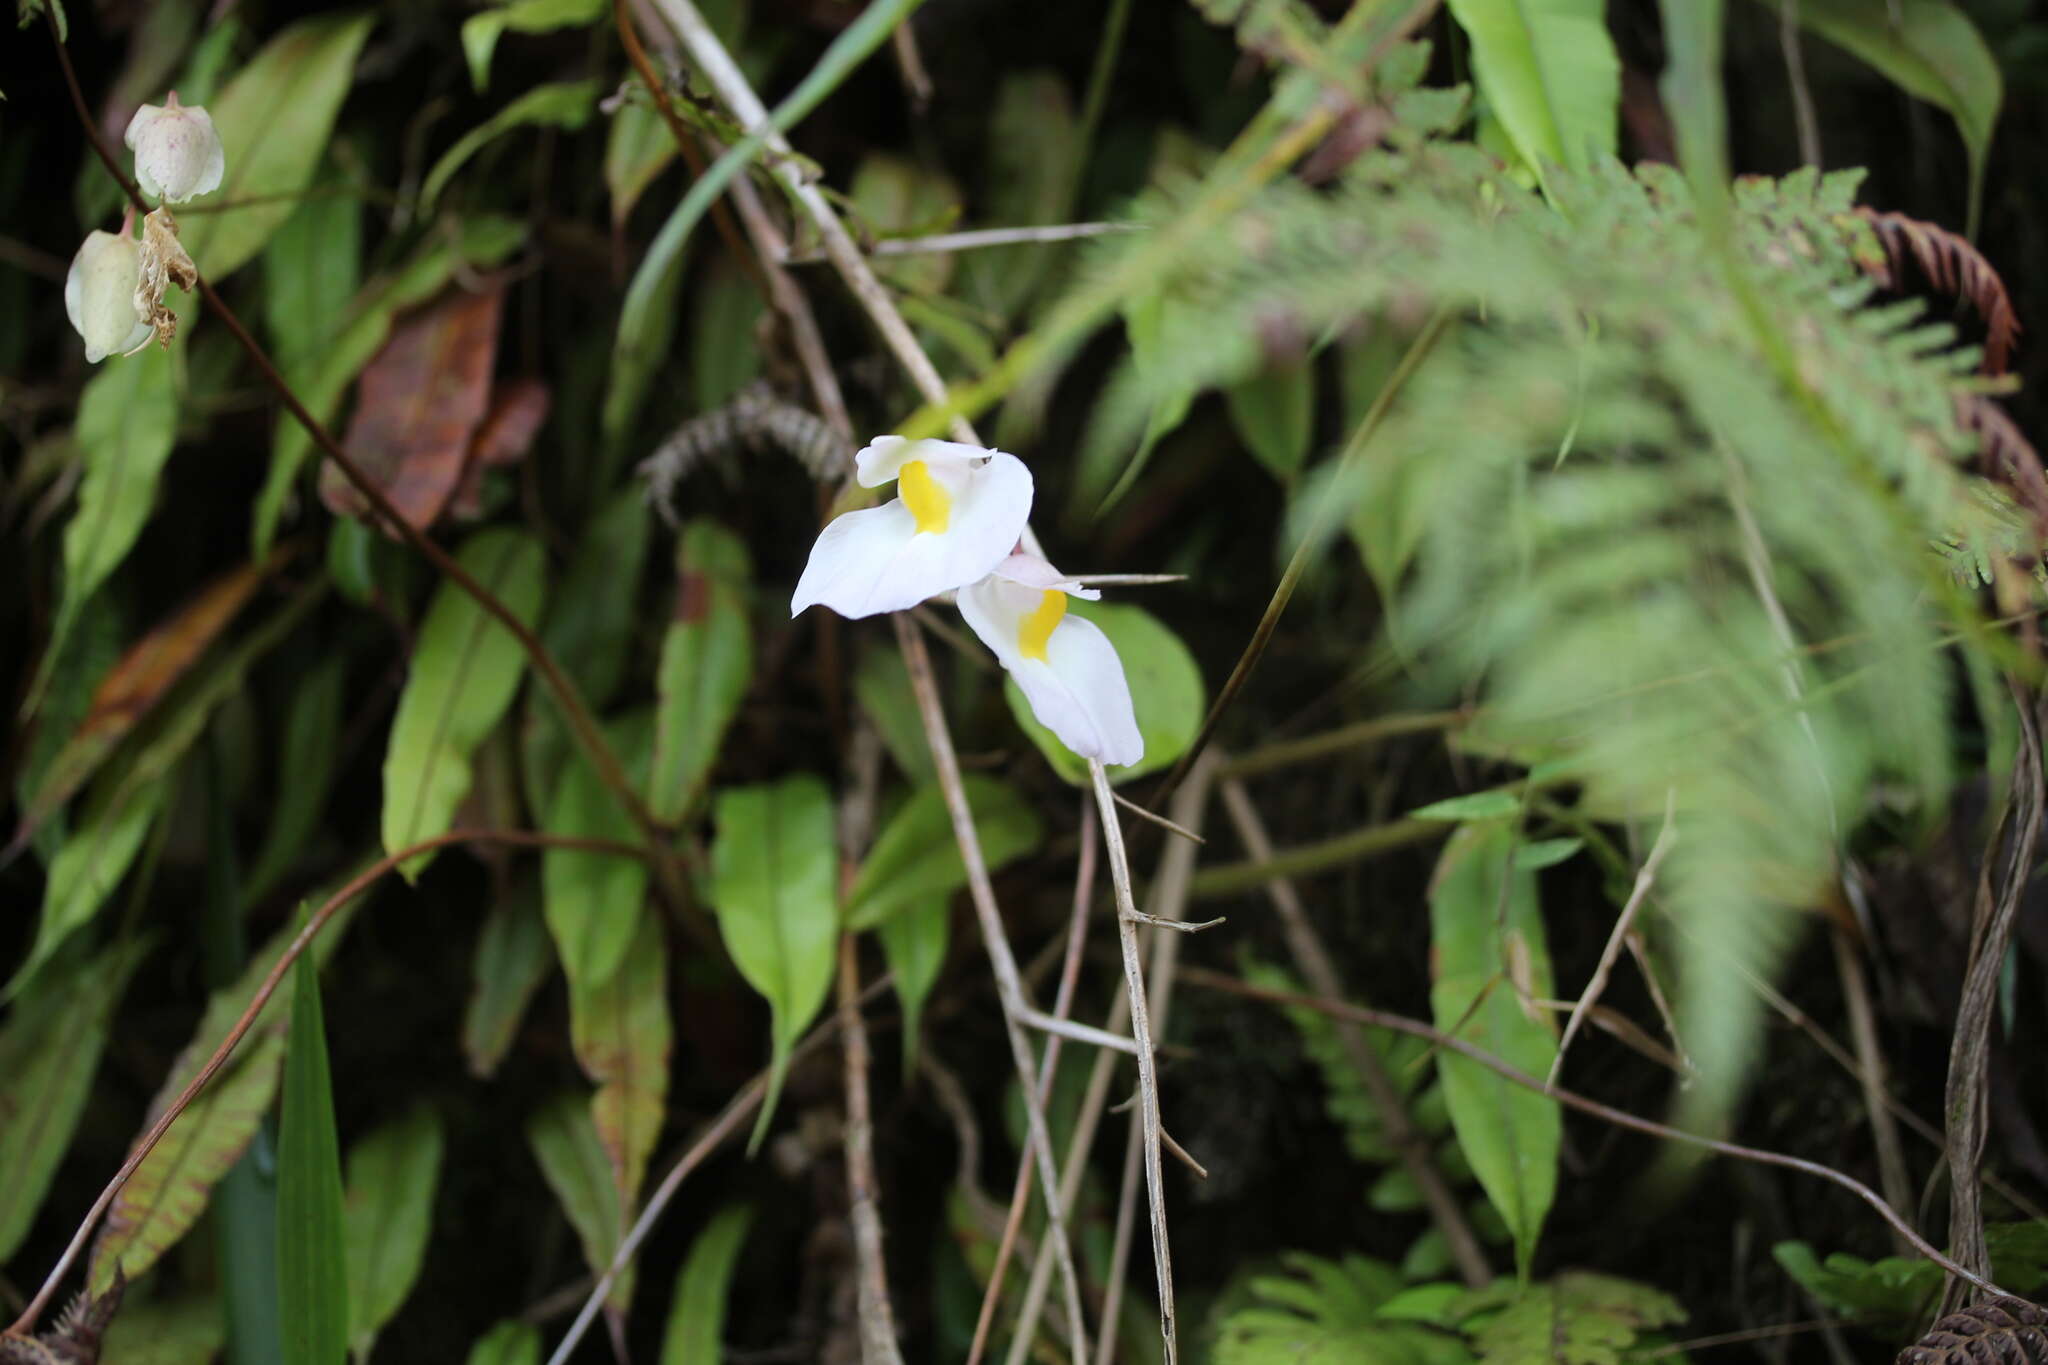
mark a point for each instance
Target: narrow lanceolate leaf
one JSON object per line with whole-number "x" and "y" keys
{"x": 386, "y": 1213}
{"x": 465, "y": 669}
{"x": 1492, "y": 963}
{"x": 480, "y": 32}
{"x": 274, "y": 120}
{"x": 312, "y": 1265}
{"x": 725, "y": 355}
{"x": 567, "y": 105}
{"x": 305, "y": 766}
{"x": 914, "y": 942}
{"x": 591, "y": 617}
{"x": 915, "y": 862}
{"x": 707, "y": 659}
{"x": 481, "y": 242}
{"x": 1548, "y": 69}
{"x": 127, "y": 422}
{"x": 49, "y": 1049}
{"x": 142, "y": 677}
{"x": 311, "y": 270}
{"x": 636, "y": 149}
{"x": 696, "y": 1315}
{"x": 512, "y": 958}
{"x": 571, "y": 1157}
{"x": 1931, "y": 50}
{"x": 771, "y": 886}
{"x": 418, "y": 404}
{"x": 170, "y": 1188}
{"x": 595, "y": 901}
{"x": 621, "y": 1032}
{"x": 111, "y": 826}
{"x": 510, "y": 1342}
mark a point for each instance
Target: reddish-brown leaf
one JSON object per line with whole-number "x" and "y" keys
{"x": 1954, "y": 266}
{"x": 517, "y": 411}
{"x": 418, "y": 406}
{"x": 138, "y": 681}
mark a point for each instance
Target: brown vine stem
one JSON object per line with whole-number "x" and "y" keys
{"x": 1009, "y": 985}
{"x": 355, "y": 886}
{"x": 1620, "y": 1118}
{"x": 574, "y": 710}
{"x": 1312, "y": 539}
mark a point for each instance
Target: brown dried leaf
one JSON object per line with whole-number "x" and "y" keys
{"x": 418, "y": 406}
{"x": 517, "y": 411}
{"x": 2006, "y": 456}
{"x": 138, "y": 681}
{"x": 1953, "y": 266}
{"x": 164, "y": 263}
{"x": 2002, "y": 1331}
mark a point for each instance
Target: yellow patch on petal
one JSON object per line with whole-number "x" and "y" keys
{"x": 923, "y": 496}
{"x": 1036, "y": 629}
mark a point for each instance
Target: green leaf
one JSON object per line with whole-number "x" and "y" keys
{"x": 312, "y": 1267}
{"x": 622, "y": 1034}
{"x": 1538, "y": 854}
{"x": 566, "y": 105}
{"x": 274, "y": 120}
{"x": 1933, "y": 52}
{"x": 1495, "y": 804}
{"x": 111, "y": 826}
{"x": 707, "y": 659}
{"x": 1490, "y": 954}
{"x": 513, "y": 955}
{"x": 572, "y": 1159}
{"x": 311, "y": 270}
{"x": 182, "y": 1331}
{"x": 696, "y": 1315}
{"x": 1274, "y": 412}
{"x": 897, "y": 197}
{"x": 127, "y": 423}
{"x": 592, "y": 616}
{"x": 916, "y": 861}
{"x": 1033, "y": 163}
{"x": 388, "y": 1211}
{"x": 1166, "y": 690}
{"x": 480, "y": 32}
{"x": 481, "y": 242}
{"x": 647, "y": 326}
{"x": 1549, "y": 70}
{"x": 881, "y": 684}
{"x": 915, "y": 941}
{"x": 1894, "y": 1289}
{"x": 305, "y": 767}
{"x": 1578, "y": 1318}
{"x": 594, "y": 901}
{"x": 772, "y": 866}
{"x": 636, "y": 150}
{"x": 465, "y": 669}
{"x": 725, "y": 352}
{"x": 50, "y": 1049}
{"x": 510, "y": 1342}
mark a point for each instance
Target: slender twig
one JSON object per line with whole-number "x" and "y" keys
{"x": 942, "y": 242}
{"x": 1326, "y": 508}
{"x": 1310, "y": 747}
{"x": 1611, "y": 953}
{"x": 1312, "y": 959}
{"x": 1179, "y": 926}
{"x": 1228, "y": 879}
{"x": 1063, "y": 1002}
{"x": 582, "y": 725}
{"x": 716, "y": 1134}
{"x": 1180, "y": 1154}
{"x": 1607, "y": 1113}
{"x": 878, "y": 1344}
{"x": 917, "y": 82}
{"x": 1077, "y": 1031}
{"x": 1795, "y": 74}
{"x": 317, "y": 921}
{"x": 1159, "y": 820}
{"x": 1148, "y": 1067}
{"x": 1009, "y": 986}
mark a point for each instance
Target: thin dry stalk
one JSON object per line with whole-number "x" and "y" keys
{"x": 1312, "y": 959}
{"x": 942, "y": 243}
{"x": 1620, "y": 1118}
{"x": 1148, "y": 1067}
{"x": 1063, "y": 1003}
{"x": 1870, "y": 1070}
{"x": 877, "y": 1320}
{"x": 1009, "y": 985}
{"x": 1610, "y": 954}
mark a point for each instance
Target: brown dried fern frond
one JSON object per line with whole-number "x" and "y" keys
{"x": 2004, "y": 1331}
{"x": 1953, "y": 266}
{"x": 2006, "y": 456}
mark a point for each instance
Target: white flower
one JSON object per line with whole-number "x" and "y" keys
{"x": 958, "y": 511}
{"x": 177, "y": 153}
{"x": 1065, "y": 666}
{"x": 99, "y": 294}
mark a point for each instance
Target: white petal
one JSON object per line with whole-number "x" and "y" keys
{"x": 852, "y": 556}
{"x": 177, "y": 151}
{"x": 994, "y": 608}
{"x": 882, "y": 458}
{"x": 1034, "y": 572}
{"x": 1078, "y": 691}
{"x": 99, "y": 295}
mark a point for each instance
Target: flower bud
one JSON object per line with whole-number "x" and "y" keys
{"x": 99, "y": 294}
{"x": 177, "y": 153}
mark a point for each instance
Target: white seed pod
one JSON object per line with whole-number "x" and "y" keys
{"x": 177, "y": 152}
{"x": 99, "y": 294}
